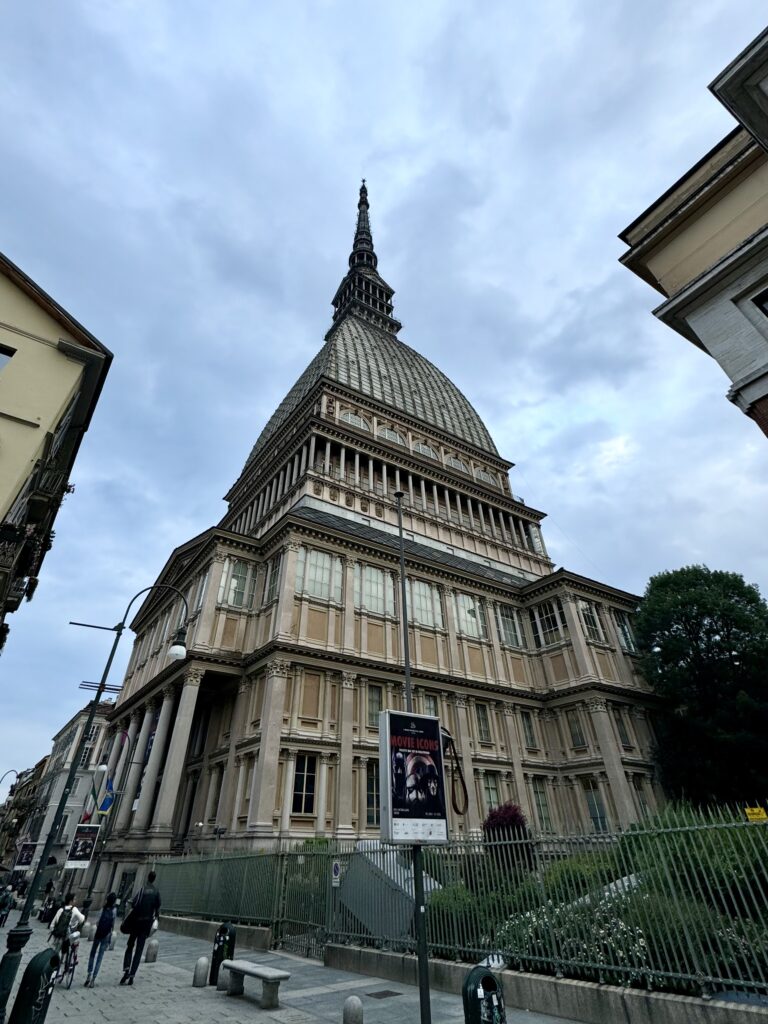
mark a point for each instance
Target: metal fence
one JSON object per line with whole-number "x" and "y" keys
{"x": 678, "y": 903}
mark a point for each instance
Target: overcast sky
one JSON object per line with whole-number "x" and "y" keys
{"x": 182, "y": 177}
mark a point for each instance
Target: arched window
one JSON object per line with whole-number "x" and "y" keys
{"x": 483, "y": 474}
{"x": 388, "y": 434}
{"x": 451, "y": 460}
{"x": 424, "y": 449}
{"x": 354, "y": 420}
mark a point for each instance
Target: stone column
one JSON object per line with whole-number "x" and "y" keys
{"x": 289, "y": 775}
{"x": 465, "y": 752}
{"x": 128, "y": 741}
{"x": 493, "y": 633}
{"x": 322, "y": 793}
{"x": 344, "y": 828}
{"x": 136, "y": 765}
{"x": 262, "y": 805}
{"x": 446, "y": 596}
{"x": 312, "y": 444}
{"x": 362, "y": 784}
{"x": 512, "y": 741}
{"x": 204, "y": 638}
{"x": 234, "y": 812}
{"x": 349, "y": 605}
{"x": 236, "y": 732}
{"x": 144, "y": 810}
{"x": 286, "y": 600}
{"x": 210, "y": 794}
{"x": 614, "y": 769}
{"x": 578, "y": 643}
{"x": 177, "y": 750}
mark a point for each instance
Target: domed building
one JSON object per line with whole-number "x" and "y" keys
{"x": 269, "y": 727}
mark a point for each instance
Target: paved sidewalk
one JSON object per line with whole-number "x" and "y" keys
{"x": 163, "y": 993}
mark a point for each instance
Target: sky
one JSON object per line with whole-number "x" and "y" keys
{"x": 182, "y": 177}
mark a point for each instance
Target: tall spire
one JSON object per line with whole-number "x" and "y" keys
{"x": 363, "y": 292}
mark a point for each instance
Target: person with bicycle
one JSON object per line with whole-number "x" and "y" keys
{"x": 67, "y": 919}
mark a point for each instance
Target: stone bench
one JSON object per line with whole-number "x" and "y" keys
{"x": 270, "y": 979}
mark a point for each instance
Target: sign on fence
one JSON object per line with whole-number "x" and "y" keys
{"x": 756, "y": 814}
{"x": 413, "y": 804}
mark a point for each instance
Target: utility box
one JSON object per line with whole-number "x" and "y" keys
{"x": 223, "y": 949}
{"x": 483, "y": 999}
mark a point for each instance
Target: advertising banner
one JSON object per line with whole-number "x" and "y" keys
{"x": 413, "y": 804}
{"x": 82, "y": 846}
{"x": 26, "y": 855}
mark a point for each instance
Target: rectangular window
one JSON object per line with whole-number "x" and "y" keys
{"x": 237, "y": 583}
{"x": 528, "y": 730}
{"x": 202, "y": 584}
{"x": 85, "y": 757}
{"x": 539, "y": 785}
{"x": 378, "y": 591}
{"x": 318, "y": 574}
{"x": 424, "y": 605}
{"x": 273, "y": 579}
{"x": 6, "y": 354}
{"x": 548, "y": 623}
{"x": 470, "y": 616}
{"x": 372, "y": 792}
{"x": 638, "y": 782}
{"x": 509, "y": 625}
{"x": 590, "y": 617}
{"x": 75, "y": 787}
{"x": 430, "y": 704}
{"x": 624, "y": 628}
{"x": 619, "y": 717}
{"x": 374, "y": 706}
{"x": 304, "y": 784}
{"x": 491, "y": 787}
{"x": 483, "y": 724}
{"x": 574, "y": 726}
{"x": 595, "y": 806}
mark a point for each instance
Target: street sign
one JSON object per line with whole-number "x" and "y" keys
{"x": 756, "y": 814}
{"x": 413, "y": 803}
{"x": 336, "y": 874}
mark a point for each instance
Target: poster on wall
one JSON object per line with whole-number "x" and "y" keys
{"x": 82, "y": 846}
{"x": 26, "y": 855}
{"x": 413, "y": 804}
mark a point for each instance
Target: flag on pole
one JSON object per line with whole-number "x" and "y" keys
{"x": 109, "y": 799}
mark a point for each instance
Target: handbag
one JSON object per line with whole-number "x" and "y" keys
{"x": 154, "y": 927}
{"x": 126, "y": 926}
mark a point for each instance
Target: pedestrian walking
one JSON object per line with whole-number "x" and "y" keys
{"x": 137, "y": 924}
{"x": 6, "y": 904}
{"x": 101, "y": 939}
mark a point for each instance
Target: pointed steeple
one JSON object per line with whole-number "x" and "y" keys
{"x": 363, "y": 292}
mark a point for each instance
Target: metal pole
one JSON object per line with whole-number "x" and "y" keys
{"x": 422, "y": 954}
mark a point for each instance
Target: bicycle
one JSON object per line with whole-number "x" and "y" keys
{"x": 66, "y": 971}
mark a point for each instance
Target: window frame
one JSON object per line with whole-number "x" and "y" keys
{"x": 483, "y": 722}
{"x": 373, "y": 709}
{"x": 304, "y": 784}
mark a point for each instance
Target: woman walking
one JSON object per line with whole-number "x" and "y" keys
{"x": 101, "y": 939}
{"x": 145, "y": 907}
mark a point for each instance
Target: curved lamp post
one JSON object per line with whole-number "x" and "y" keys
{"x": 19, "y": 936}
{"x": 11, "y": 771}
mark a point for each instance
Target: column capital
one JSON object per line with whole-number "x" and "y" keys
{"x": 363, "y": 762}
{"x": 596, "y": 704}
{"x": 507, "y": 707}
{"x": 348, "y": 680}
{"x": 193, "y": 675}
{"x": 136, "y": 714}
{"x": 288, "y": 754}
{"x": 169, "y": 691}
{"x": 292, "y": 545}
{"x": 328, "y": 757}
{"x": 278, "y": 667}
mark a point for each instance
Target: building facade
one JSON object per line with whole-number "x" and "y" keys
{"x": 52, "y": 371}
{"x": 704, "y": 244}
{"x": 18, "y": 812}
{"x": 269, "y": 729}
{"x": 86, "y": 789}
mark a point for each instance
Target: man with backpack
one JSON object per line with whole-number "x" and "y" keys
{"x": 67, "y": 919}
{"x": 137, "y": 924}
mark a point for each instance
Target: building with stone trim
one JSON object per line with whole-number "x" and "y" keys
{"x": 269, "y": 729}
{"x": 704, "y": 243}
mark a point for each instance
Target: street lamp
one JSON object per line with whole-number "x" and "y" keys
{"x": 19, "y": 936}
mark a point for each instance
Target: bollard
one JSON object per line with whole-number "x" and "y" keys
{"x": 35, "y": 990}
{"x": 150, "y": 957}
{"x": 200, "y": 980}
{"x": 353, "y": 1011}
{"x": 223, "y": 949}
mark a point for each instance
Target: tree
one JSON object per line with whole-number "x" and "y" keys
{"x": 703, "y": 636}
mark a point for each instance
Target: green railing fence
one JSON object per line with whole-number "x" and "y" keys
{"x": 679, "y": 903}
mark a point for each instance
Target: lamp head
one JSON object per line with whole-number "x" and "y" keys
{"x": 102, "y": 768}
{"x": 178, "y": 648}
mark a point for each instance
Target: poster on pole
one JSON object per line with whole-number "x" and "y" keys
{"x": 26, "y": 855}
{"x": 413, "y": 804}
{"x": 82, "y": 846}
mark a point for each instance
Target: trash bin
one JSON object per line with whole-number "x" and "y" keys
{"x": 482, "y": 997}
{"x": 35, "y": 989}
{"x": 223, "y": 949}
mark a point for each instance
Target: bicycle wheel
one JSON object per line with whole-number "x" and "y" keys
{"x": 70, "y": 968}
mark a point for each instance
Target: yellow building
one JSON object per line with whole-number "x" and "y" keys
{"x": 52, "y": 371}
{"x": 269, "y": 729}
{"x": 704, "y": 243}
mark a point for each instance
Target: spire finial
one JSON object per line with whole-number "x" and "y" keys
{"x": 362, "y": 247}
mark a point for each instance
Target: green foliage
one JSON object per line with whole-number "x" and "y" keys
{"x": 703, "y": 637}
